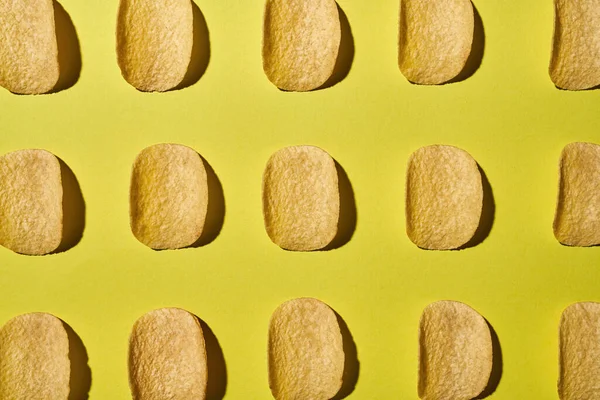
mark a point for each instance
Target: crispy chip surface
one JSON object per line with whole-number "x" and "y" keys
{"x": 168, "y": 196}
{"x": 435, "y": 39}
{"x": 444, "y": 197}
{"x": 167, "y": 357}
{"x": 577, "y": 218}
{"x": 154, "y": 42}
{"x": 31, "y": 196}
{"x": 301, "y": 199}
{"x": 34, "y": 358}
{"x": 29, "y": 51}
{"x": 455, "y": 352}
{"x": 306, "y": 355}
{"x": 301, "y": 41}
{"x": 576, "y": 48}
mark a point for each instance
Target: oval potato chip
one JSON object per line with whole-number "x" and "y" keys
{"x": 435, "y": 39}
{"x": 306, "y": 354}
{"x": 455, "y": 352}
{"x": 154, "y": 42}
{"x": 444, "y": 197}
{"x": 31, "y": 198}
{"x": 34, "y": 358}
{"x": 29, "y": 50}
{"x": 168, "y": 196}
{"x": 577, "y": 217}
{"x": 167, "y": 357}
{"x": 301, "y": 41}
{"x": 301, "y": 198}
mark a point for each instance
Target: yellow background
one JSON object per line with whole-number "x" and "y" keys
{"x": 508, "y": 116}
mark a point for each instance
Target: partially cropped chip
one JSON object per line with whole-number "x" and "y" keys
{"x": 31, "y": 194}
{"x": 301, "y": 41}
{"x": 444, "y": 197}
{"x": 29, "y": 50}
{"x": 167, "y": 357}
{"x": 34, "y": 358}
{"x": 455, "y": 352}
{"x": 154, "y": 42}
{"x": 435, "y": 39}
{"x": 168, "y": 196}
{"x": 576, "y": 49}
{"x": 577, "y": 218}
{"x": 301, "y": 198}
{"x": 306, "y": 355}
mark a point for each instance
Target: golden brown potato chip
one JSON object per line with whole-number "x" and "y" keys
{"x": 455, "y": 352}
{"x": 167, "y": 357}
{"x": 306, "y": 354}
{"x": 154, "y": 42}
{"x": 577, "y": 218}
{"x": 29, "y": 51}
{"x": 301, "y": 41}
{"x": 576, "y": 49}
{"x": 168, "y": 197}
{"x": 435, "y": 39}
{"x": 444, "y": 197}
{"x": 34, "y": 358}
{"x": 301, "y": 198}
{"x": 31, "y": 197}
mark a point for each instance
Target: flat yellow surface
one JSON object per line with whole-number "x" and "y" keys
{"x": 508, "y": 116}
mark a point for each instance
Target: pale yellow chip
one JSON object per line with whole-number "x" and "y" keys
{"x": 301, "y": 41}
{"x": 455, "y": 352}
{"x": 576, "y": 49}
{"x": 34, "y": 358}
{"x": 306, "y": 354}
{"x": 168, "y": 196}
{"x": 577, "y": 218}
{"x": 29, "y": 50}
{"x": 444, "y": 197}
{"x": 301, "y": 198}
{"x": 154, "y": 42}
{"x": 31, "y": 198}
{"x": 435, "y": 39}
{"x": 167, "y": 357}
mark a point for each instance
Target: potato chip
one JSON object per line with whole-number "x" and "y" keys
{"x": 301, "y": 41}
{"x": 435, "y": 39}
{"x": 31, "y": 198}
{"x": 455, "y": 352}
{"x": 577, "y": 218}
{"x": 29, "y": 50}
{"x": 154, "y": 42}
{"x": 301, "y": 198}
{"x": 167, "y": 357}
{"x": 306, "y": 354}
{"x": 444, "y": 197}
{"x": 34, "y": 358}
{"x": 576, "y": 48}
{"x": 168, "y": 197}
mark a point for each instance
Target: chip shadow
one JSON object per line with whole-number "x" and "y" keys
{"x": 351, "y": 363}
{"x": 215, "y": 215}
{"x": 200, "y": 50}
{"x": 496, "y": 374}
{"x": 477, "y": 49}
{"x": 217, "y": 369}
{"x": 347, "y": 218}
{"x": 488, "y": 211}
{"x": 345, "y": 57}
{"x": 80, "y": 380}
{"x": 73, "y": 206}
{"x": 69, "y": 51}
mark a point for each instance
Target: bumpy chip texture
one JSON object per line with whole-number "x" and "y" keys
{"x": 575, "y": 60}
{"x": 29, "y": 51}
{"x": 435, "y": 39}
{"x": 31, "y": 214}
{"x": 301, "y": 199}
{"x": 455, "y": 352}
{"x": 168, "y": 197}
{"x": 34, "y": 358}
{"x": 306, "y": 355}
{"x": 154, "y": 42}
{"x": 167, "y": 357}
{"x": 577, "y": 218}
{"x": 301, "y": 41}
{"x": 444, "y": 197}
{"x": 579, "y": 352}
